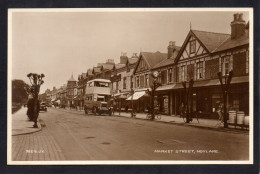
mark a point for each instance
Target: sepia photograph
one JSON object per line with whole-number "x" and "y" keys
{"x": 130, "y": 86}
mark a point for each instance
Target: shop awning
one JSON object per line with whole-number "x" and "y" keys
{"x": 57, "y": 101}
{"x": 200, "y": 83}
{"x": 178, "y": 86}
{"x": 165, "y": 87}
{"x": 121, "y": 95}
{"x": 242, "y": 79}
{"x": 136, "y": 95}
{"x": 235, "y": 80}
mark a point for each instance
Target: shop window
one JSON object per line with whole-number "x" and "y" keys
{"x": 170, "y": 75}
{"x": 199, "y": 70}
{"x": 192, "y": 46}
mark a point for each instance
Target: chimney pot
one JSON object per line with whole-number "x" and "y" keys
{"x": 237, "y": 26}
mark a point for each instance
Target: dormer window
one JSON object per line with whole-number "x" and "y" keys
{"x": 192, "y": 46}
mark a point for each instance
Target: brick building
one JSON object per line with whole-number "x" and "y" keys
{"x": 71, "y": 91}
{"x": 202, "y": 56}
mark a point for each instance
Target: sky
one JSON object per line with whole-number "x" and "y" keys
{"x": 59, "y": 43}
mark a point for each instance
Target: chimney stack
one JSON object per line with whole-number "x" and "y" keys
{"x": 171, "y": 49}
{"x": 110, "y": 61}
{"x": 123, "y": 58}
{"x": 238, "y": 26}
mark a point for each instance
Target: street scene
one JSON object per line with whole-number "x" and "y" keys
{"x": 72, "y": 135}
{"x": 140, "y": 89}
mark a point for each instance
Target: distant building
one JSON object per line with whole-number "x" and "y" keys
{"x": 71, "y": 86}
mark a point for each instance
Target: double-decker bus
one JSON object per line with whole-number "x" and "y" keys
{"x": 97, "y": 97}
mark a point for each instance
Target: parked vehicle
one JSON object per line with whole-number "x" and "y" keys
{"x": 43, "y": 107}
{"x": 48, "y": 104}
{"x": 97, "y": 97}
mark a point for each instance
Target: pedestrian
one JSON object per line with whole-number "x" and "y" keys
{"x": 182, "y": 110}
{"x": 220, "y": 111}
{"x": 126, "y": 108}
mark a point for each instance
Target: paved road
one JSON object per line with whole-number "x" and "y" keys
{"x": 86, "y": 137}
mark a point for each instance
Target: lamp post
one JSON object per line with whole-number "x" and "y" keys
{"x": 36, "y": 82}
{"x": 225, "y": 89}
{"x": 187, "y": 99}
{"x": 154, "y": 86}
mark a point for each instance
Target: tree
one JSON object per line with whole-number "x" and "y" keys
{"x": 20, "y": 91}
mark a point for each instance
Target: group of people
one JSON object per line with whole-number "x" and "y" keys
{"x": 219, "y": 110}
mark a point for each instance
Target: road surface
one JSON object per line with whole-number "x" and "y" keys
{"x": 72, "y": 135}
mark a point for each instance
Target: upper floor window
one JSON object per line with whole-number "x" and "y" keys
{"x": 124, "y": 83}
{"x": 247, "y": 61}
{"x": 170, "y": 75}
{"x": 137, "y": 81}
{"x": 199, "y": 70}
{"x": 164, "y": 77}
{"x": 192, "y": 46}
{"x": 146, "y": 80}
{"x": 182, "y": 73}
{"x": 225, "y": 65}
{"x": 132, "y": 82}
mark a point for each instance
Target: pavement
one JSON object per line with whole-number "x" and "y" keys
{"x": 21, "y": 124}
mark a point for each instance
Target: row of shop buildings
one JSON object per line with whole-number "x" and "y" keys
{"x": 202, "y": 55}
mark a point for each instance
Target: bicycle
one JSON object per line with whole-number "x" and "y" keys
{"x": 156, "y": 114}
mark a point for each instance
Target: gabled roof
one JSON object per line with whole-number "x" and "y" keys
{"x": 71, "y": 78}
{"x": 107, "y": 66}
{"x": 153, "y": 59}
{"x": 119, "y": 65}
{"x": 163, "y": 63}
{"x": 132, "y": 60}
{"x": 243, "y": 40}
{"x": 210, "y": 40}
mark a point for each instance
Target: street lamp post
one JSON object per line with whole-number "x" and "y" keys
{"x": 187, "y": 99}
{"x": 154, "y": 86}
{"x": 36, "y": 82}
{"x": 225, "y": 89}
